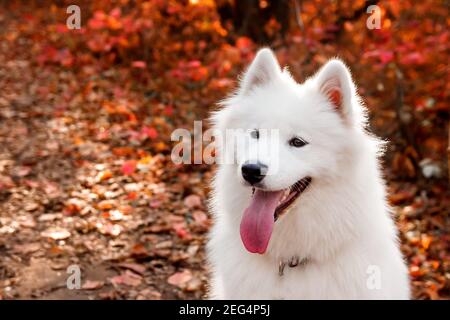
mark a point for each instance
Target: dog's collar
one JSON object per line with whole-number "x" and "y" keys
{"x": 292, "y": 263}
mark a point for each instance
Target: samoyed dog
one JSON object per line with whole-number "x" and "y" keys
{"x": 300, "y": 212}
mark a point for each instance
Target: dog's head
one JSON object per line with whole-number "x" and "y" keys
{"x": 287, "y": 135}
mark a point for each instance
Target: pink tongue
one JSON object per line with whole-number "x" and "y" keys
{"x": 257, "y": 221}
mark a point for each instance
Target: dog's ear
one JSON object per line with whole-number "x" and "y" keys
{"x": 335, "y": 82}
{"x": 263, "y": 69}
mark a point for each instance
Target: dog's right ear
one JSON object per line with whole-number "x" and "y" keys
{"x": 335, "y": 82}
{"x": 263, "y": 69}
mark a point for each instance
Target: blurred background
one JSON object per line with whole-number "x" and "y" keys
{"x": 86, "y": 114}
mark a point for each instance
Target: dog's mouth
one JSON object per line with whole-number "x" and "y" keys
{"x": 265, "y": 208}
{"x": 290, "y": 195}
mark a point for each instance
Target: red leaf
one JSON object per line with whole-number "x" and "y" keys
{"x": 413, "y": 58}
{"x": 137, "y": 268}
{"x": 92, "y": 285}
{"x": 149, "y": 132}
{"x": 244, "y": 43}
{"x": 127, "y": 278}
{"x": 129, "y": 167}
{"x": 168, "y": 110}
{"x": 115, "y": 13}
{"x": 193, "y": 201}
{"x": 180, "y": 230}
{"x": 139, "y": 64}
{"x": 180, "y": 279}
{"x": 385, "y": 56}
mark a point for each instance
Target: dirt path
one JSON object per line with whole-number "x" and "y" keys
{"x": 67, "y": 197}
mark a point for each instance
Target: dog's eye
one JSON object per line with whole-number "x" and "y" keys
{"x": 254, "y": 134}
{"x": 297, "y": 142}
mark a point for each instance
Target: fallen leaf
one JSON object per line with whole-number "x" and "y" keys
{"x": 21, "y": 171}
{"x": 56, "y": 233}
{"x": 200, "y": 217}
{"x": 137, "y": 268}
{"x": 127, "y": 278}
{"x": 415, "y": 271}
{"x": 180, "y": 279}
{"x": 109, "y": 229}
{"x": 139, "y": 251}
{"x": 139, "y": 64}
{"x": 181, "y": 231}
{"x": 52, "y": 189}
{"x": 193, "y": 201}
{"x": 129, "y": 167}
{"x": 106, "y": 205}
{"x": 115, "y": 215}
{"x": 92, "y": 285}
{"x": 149, "y": 132}
{"x": 425, "y": 241}
{"x": 148, "y": 294}
{"x": 104, "y": 175}
{"x": 31, "y": 206}
{"x": 193, "y": 285}
{"x": 27, "y": 247}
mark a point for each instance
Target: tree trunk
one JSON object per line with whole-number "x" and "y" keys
{"x": 249, "y": 19}
{"x": 448, "y": 153}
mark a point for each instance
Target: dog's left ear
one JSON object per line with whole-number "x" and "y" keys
{"x": 335, "y": 82}
{"x": 263, "y": 69}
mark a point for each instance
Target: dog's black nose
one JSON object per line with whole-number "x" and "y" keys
{"x": 253, "y": 172}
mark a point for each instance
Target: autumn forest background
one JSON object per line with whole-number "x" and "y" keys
{"x": 86, "y": 115}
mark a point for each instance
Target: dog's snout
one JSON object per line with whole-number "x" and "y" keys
{"x": 253, "y": 172}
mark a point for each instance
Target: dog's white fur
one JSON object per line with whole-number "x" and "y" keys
{"x": 342, "y": 222}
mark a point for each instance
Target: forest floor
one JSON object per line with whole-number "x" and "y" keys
{"x": 71, "y": 196}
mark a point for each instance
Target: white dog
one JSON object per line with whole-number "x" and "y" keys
{"x": 309, "y": 221}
